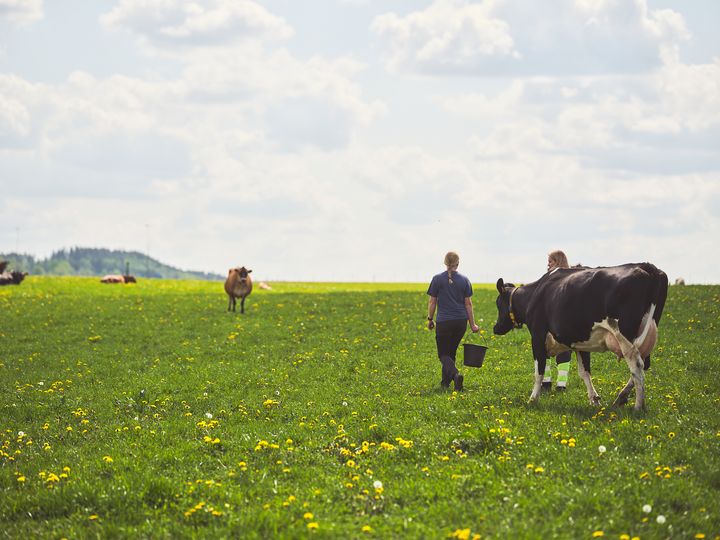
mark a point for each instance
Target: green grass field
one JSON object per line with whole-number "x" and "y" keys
{"x": 148, "y": 410}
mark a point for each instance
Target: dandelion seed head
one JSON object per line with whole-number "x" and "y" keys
{"x": 602, "y": 449}
{"x": 647, "y": 508}
{"x": 660, "y": 519}
{"x": 377, "y": 484}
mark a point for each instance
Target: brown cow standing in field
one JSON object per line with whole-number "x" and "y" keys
{"x": 238, "y": 285}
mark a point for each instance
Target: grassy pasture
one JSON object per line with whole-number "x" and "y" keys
{"x": 148, "y": 410}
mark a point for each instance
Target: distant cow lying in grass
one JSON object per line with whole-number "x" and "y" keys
{"x": 12, "y": 278}
{"x": 589, "y": 309}
{"x": 238, "y": 285}
{"x": 117, "y": 278}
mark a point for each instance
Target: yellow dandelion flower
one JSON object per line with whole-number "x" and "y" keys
{"x": 93, "y": 517}
{"x": 313, "y": 525}
{"x": 366, "y": 529}
{"x": 350, "y": 463}
{"x": 461, "y": 534}
{"x": 107, "y": 459}
{"x": 598, "y": 534}
{"x": 21, "y": 478}
{"x": 308, "y": 515}
{"x": 699, "y": 535}
{"x": 539, "y": 470}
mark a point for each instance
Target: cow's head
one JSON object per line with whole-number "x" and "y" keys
{"x": 504, "y": 322}
{"x": 242, "y": 273}
{"x": 18, "y": 276}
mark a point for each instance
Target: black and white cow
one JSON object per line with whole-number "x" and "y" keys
{"x": 613, "y": 308}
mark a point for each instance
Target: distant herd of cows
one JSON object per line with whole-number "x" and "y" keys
{"x": 616, "y": 309}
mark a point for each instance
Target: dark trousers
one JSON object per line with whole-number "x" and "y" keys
{"x": 448, "y": 335}
{"x": 563, "y": 357}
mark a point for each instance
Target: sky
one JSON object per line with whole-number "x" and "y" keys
{"x": 360, "y": 140}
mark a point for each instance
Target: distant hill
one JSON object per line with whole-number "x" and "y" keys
{"x": 98, "y": 262}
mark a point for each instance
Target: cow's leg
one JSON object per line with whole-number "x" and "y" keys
{"x": 622, "y": 397}
{"x": 242, "y": 305}
{"x": 540, "y": 364}
{"x": 583, "y": 360}
{"x": 230, "y": 299}
{"x": 635, "y": 363}
{"x": 540, "y": 355}
{"x": 234, "y": 302}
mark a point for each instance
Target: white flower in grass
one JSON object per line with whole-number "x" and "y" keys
{"x": 344, "y": 403}
{"x": 602, "y": 449}
{"x": 660, "y": 519}
{"x": 377, "y": 484}
{"x": 647, "y": 508}
{"x": 208, "y": 415}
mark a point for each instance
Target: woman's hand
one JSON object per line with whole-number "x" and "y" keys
{"x": 475, "y": 328}
{"x": 431, "y": 324}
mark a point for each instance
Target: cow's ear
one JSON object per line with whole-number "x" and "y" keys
{"x": 500, "y": 284}
{"x": 249, "y": 271}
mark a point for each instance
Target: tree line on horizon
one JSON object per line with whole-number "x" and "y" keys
{"x": 79, "y": 261}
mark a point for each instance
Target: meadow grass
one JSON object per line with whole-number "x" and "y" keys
{"x": 148, "y": 410}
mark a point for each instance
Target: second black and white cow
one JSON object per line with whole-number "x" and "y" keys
{"x": 601, "y": 309}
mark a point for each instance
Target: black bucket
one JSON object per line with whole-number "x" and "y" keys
{"x": 474, "y": 354}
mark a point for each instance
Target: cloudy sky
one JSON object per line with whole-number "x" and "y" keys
{"x": 362, "y": 139}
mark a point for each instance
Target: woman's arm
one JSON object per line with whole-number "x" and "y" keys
{"x": 471, "y": 316}
{"x": 432, "y": 304}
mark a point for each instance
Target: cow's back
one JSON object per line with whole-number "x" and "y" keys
{"x": 570, "y": 301}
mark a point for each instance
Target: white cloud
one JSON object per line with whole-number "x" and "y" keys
{"x": 306, "y": 165}
{"x": 510, "y": 37}
{"x": 21, "y": 11}
{"x": 173, "y": 22}
{"x": 450, "y": 35}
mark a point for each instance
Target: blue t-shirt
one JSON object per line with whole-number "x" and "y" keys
{"x": 451, "y": 296}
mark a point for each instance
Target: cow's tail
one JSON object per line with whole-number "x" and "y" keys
{"x": 657, "y": 294}
{"x": 661, "y": 290}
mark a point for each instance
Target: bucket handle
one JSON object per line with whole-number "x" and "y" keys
{"x": 483, "y": 338}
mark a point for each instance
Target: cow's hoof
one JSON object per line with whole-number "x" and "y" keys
{"x": 620, "y": 400}
{"x": 595, "y": 401}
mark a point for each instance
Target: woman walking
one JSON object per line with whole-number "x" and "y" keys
{"x": 450, "y": 293}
